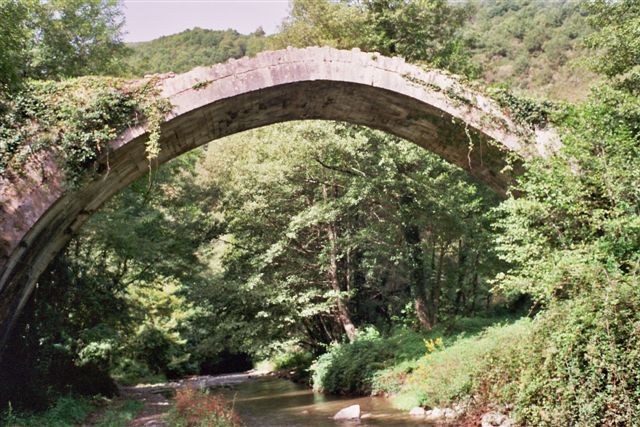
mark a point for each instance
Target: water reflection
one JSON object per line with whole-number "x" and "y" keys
{"x": 273, "y": 402}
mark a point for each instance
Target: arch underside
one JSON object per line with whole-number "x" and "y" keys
{"x": 408, "y": 117}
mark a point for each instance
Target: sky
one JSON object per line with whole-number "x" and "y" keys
{"x": 149, "y": 19}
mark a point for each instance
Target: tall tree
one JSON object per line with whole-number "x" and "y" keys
{"x": 76, "y": 37}
{"x": 14, "y": 41}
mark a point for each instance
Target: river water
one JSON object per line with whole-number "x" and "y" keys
{"x": 275, "y": 402}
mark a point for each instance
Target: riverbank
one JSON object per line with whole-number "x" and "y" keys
{"x": 136, "y": 406}
{"x": 457, "y": 366}
{"x": 156, "y": 397}
{"x": 423, "y": 373}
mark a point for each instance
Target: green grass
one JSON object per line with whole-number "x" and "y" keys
{"x": 71, "y": 411}
{"x": 67, "y": 411}
{"x": 454, "y": 372}
{"x": 121, "y": 415}
{"x": 381, "y": 364}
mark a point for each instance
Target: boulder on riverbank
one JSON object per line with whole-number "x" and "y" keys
{"x": 496, "y": 419}
{"x": 417, "y": 412}
{"x": 436, "y": 414}
{"x": 349, "y": 413}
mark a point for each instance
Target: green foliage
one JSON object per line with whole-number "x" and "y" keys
{"x": 322, "y": 23}
{"x": 532, "y": 46}
{"x": 131, "y": 372}
{"x": 76, "y": 119}
{"x": 423, "y": 30}
{"x": 66, "y": 411}
{"x": 295, "y": 363}
{"x": 578, "y": 221}
{"x": 289, "y": 234}
{"x": 457, "y": 370}
{"x": 191, "y": 48}
{"x": 120, "y": 414}
{"x": 523, "y": 110}
{"x": 616, "y": 44}
{"x": 584, "y": 361}
{"x": 74, "y": 38}
{"x": 58, "y": 39}
{"x": 458, "y": 356}
{"x": 14, "y": 36}
{"x": 573, "y": 241}
{"x": 283, "y": 187}
{"x": 348, "y": 368}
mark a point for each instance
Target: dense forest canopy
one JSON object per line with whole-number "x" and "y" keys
{"x": 343, "y": 253}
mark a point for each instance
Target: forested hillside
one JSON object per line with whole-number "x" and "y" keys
{"x": 190, "y": 49}
{"x": 350, "y": 259}
{"x": 532, "y": 46}
{"x": 535, "y": 47}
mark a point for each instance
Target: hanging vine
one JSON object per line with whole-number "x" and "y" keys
{"x": 76, "y": 119}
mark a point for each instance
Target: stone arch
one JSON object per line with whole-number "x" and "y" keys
{"x": 427, "y": 107}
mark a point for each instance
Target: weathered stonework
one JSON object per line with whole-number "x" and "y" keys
{"x": 37, "y": 218}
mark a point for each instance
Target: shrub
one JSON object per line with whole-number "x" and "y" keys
{"x": 585, "y": 361}
{"x": 348, "y": 368}
{"x": 297, "y": 364}
{"x": 195, "y": 408}
{"x": 131, "y": 371}
{"x": 373, "y": 364}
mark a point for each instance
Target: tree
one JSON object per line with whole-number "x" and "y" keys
{"x": 192, "y": 48}
{"x": 59, "y": 38}
{"x": 331, "y": 226}
{"x": 617, "y": 41}
{"x": 14, "y": 37}
{"x": 75, "y": 37}
{"x": 419, "y": 30}
{"x": 338, "y": 24}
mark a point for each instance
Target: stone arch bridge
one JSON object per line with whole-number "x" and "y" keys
{"x": 427, "y": 107}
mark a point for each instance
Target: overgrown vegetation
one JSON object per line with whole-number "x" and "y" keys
{"x": 76, "y": 119}
{"x": 71, "y": 410}
{"x": 64, "y": 412}
{"x": 195, "y": 408}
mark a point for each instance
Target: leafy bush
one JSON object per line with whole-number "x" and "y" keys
{"x": 373, "y": 364}
{"x": 131, "y": 371}
{"x": 296, "y": 363}
{"x": 574, "y": 241}
{"x": 348, "y": 368}
{"x": 76, "y": 119}
{"x": 584, "y": 365}
{"x": 194, "y": 408}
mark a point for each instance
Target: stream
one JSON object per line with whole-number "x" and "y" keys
{"x": 275, "y": 402}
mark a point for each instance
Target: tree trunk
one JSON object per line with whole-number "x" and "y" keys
{"x": 460, "y": 295}
{"x": 474, "y": 284}
{"x": 418, "y": 277}
{"x": 343, "y": 311}
{"x": 437, "y": 286}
